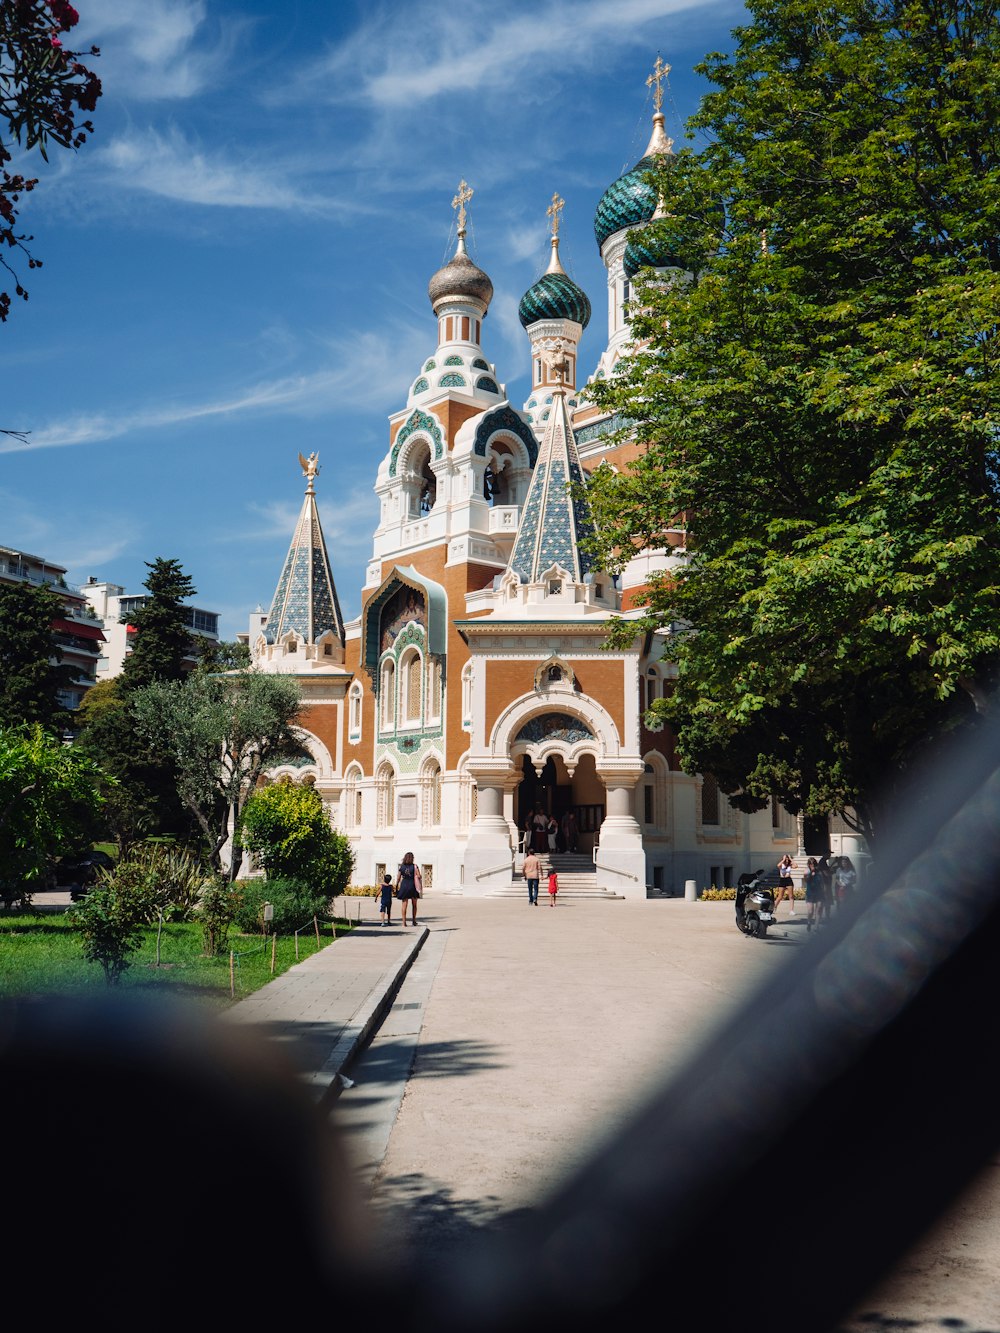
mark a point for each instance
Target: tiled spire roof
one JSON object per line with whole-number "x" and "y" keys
{"x": 305, "y": 599}
{"x": 554, "y": 520}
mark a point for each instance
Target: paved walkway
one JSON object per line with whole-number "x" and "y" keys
{"x": 533, "y": 1033}
{"x": 326, "y": 1008}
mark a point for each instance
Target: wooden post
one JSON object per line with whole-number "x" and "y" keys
{"x": 232, "y": 977}
{"x": 274, "y": 941}
{"x": 296, "y": 946}
{"x": 316, "y": 925}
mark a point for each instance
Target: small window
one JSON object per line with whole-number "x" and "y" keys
{"x": 709, "y": 800}
{"x": 555, "y": 673}
{"x": 555, "y": 586}
{"x": 647, "y": 805}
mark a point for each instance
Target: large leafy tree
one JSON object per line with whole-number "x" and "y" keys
{"x": 43, "y": 88}
{"x": 30, "y": 674}
{"x": 817, "y": 399}
{"x": 49, "y": 805}
{"x": 220, "y": 733}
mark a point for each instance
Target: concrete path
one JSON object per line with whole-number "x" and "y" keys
{"x": 516, "y": 1038}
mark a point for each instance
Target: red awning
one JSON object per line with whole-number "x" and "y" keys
{"x": 75, "y": 627}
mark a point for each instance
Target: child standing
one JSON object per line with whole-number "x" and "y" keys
{"x": 385, "y": 900}
{"x": 553, "y": 887}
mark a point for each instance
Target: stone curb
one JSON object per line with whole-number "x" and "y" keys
{"x": 324, "y": 1082}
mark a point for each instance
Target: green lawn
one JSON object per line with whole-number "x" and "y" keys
{"x": 40, "y": 952}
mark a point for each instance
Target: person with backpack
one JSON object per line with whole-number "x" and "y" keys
{"x": 409, "y": 886}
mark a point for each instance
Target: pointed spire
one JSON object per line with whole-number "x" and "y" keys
{"x": 305, "y": 599}
{"x": 554, "y": 519}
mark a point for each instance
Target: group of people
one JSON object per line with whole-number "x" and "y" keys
{"x": 545, "y": 833}
{"x": 828, "y": 881}
{"x": 407, "y": 890}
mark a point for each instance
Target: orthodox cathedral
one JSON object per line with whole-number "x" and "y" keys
{"x": 474, "y": 693}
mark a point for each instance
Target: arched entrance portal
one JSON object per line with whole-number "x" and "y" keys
{"x": 555, "y": 791}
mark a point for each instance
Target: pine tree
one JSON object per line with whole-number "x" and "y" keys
{"x": 162, "y": 639}
{"x": 30, "y": 674}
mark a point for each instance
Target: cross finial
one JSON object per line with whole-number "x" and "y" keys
{"x": 660, "y": 72}
{"x": 553, "y": 211}
{"x": 459, "y": 202}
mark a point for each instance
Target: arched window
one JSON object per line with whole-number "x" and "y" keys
{"x": 410, "y": 692}
{"x": 467, "y": 696}
{"x": 388, "y": 694}
{"x": 385, "y": 793}
{"x": 709, "y": 800}
{"x": 352, "y": 798}
{"x": 436, "y": 689}
{"x": 430, "y": 782}
{"x": 354, "y": 711}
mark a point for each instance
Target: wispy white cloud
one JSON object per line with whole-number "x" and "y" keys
{"x": 369, "y": 371}
{"x": 155, "y": 50}
{"x": 489, "y": 51}
{"x": 171, "y": 166}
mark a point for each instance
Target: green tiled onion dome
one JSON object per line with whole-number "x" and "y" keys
{"x": 648, "y": 251}
{"x": 554, "y": 296}
{"x": 631, "y": 199}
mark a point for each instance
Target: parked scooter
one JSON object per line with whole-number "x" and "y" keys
{"x": 754, "y": 905}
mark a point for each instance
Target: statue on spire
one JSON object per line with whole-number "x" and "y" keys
{"x": 310, "y": 466}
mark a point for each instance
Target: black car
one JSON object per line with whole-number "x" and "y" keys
{"x": 78, "y": 873}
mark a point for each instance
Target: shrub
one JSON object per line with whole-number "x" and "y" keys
{"x": 288, "y": 830}
{"x": 294, "y": 903}
{"x": 111, "y": 918}
{"x": 218, "y": 901}
{"x": 175, "y": 876}
{"x": 362, "y": 891}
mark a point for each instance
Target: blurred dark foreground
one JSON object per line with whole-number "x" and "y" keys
{"x": 161, "y": 1167}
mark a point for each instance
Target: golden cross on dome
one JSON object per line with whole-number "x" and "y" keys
{"x": 553, "y": 211}
{"x": 459, "y": 202}
{"x": 660, "y": 72}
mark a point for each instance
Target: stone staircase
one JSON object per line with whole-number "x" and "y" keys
{"x": 577, "y": 878}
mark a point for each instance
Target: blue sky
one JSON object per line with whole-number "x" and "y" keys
{"x": 236, "y": 264}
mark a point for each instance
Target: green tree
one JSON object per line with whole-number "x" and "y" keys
{"x": 817, "y": 401}
{"x": 142, "y": 798}
{"x": 222, "y": 655}
{"x": 220, "y": 733}
{"x": 287, "y": 828}
{"x": 49, "y": 806}
{"x": 42, "y": 85}
{"x": 30, "y": 674}
{"x": 162, "y": 639}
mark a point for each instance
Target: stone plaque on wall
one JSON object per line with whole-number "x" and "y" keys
{"x": 406, "y": 808}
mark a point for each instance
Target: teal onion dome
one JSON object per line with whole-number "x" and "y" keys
{"x": 631, "y": 199}
{"x": 648, "y": 251}
{"x": 554, "y": 296}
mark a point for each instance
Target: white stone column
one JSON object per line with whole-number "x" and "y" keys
{"x": 621, "y": 858}
{"x": 487, "y": 862}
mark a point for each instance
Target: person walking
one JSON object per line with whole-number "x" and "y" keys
{"x": 845, "y": 879}
{"x": 825, "y": 868}
{"x": 812, "y": 882}
{"x": 385, "y": 900}
{"x": 570, "y": 832}
{"x": 409, "y": 886}
{"x": 785, "y": 881}
{"x": 553, "y": 887}
{"x": 532, "y": 873}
